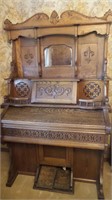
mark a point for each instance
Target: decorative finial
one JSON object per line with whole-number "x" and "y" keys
{"x": 54, "y": 18}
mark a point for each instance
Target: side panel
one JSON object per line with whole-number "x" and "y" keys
{"x": 27, "y": 57}
{"x": 87, "y": 164}
{"x": 90, "y": 56}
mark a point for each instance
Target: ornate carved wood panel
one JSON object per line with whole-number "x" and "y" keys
{"x": 54, "y": 91}
{"x": 20, "y": 91}
{"x": 68, "y": 17}
{"x": 28, "y": 58}
{"x": 91, "y": 89}
{"x": 90, "y": 56}
{"x": 57, "y": 136}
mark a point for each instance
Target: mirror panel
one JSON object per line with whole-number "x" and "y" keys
{"x": 56, "y": 55}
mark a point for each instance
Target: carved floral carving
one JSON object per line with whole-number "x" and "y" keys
{"x": 88, "y": 54}
{"x": 54, "y": 19}
{"x": 54, "y": 90}
{"x": 70, "y": 14}
{"x": 28, "y": 57}
{"x": 40, "y": 16}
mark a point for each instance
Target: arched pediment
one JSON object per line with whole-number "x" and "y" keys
{"x": 67, "y": 18}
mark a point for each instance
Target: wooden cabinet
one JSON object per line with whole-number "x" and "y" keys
{"x": 57, "y": 107}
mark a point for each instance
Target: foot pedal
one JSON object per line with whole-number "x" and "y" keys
{"x": 54, "y": 179}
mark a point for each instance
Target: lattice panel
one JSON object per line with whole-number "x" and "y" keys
{"x": 56, "y": 135}
{"x": 22, "y": 89}
{"x": 92, "y": 90}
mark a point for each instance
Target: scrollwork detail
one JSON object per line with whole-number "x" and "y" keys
{"x": 54, "y": 90}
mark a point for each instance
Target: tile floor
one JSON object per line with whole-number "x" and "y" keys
{"x": 22, "y": 188}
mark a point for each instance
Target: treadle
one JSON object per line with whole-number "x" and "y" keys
{"x": 54, "y": 179}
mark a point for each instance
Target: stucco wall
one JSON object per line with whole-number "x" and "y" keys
{"x": 19, "y": 10}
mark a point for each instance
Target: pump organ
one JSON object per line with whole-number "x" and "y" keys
{"x": 56, "y": 112}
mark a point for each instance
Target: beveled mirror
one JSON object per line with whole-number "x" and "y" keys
{"x": 55, "y": 55}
